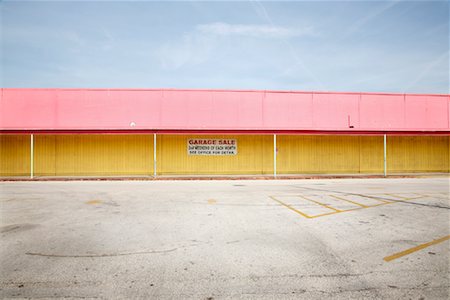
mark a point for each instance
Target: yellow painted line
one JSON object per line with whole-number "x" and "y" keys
{"x": 212, "y": 201}
{"x": 335, "y": 211}
{"x": 290, "y": 207}
{"x": 378, "y": 199}
{"x": 415, "y": 198}
{"x": 326, "y": 214}
{"x": 350, "y": 201}
{"x": 375, "y": 205}
{"x": 322, "y": 204}
{"x": 424, "y": 195}
{"x": 404, "y": 198}
{"x": 435, "y": 195}
{"x": 414, "y": 249}
{"x": 93, "y": 202}
{"x": 397, "y": 196}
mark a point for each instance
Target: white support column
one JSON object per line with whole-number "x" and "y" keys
{"x": 154, "y": 154}
{"x": 275, "y": 155}
{"x": 385, "y": 165}
{"x": 31, "y": 156}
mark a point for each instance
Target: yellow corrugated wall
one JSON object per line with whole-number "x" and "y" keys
{"x": 15, "y": 155}
{"x": 362, "y": 154}
{"x": 371, "y": 155}
{"x": 67, "y": 155}
{"x": 324, "y": 154}
{"x": 407, "y": 154}
{"x": 254, "y": 156}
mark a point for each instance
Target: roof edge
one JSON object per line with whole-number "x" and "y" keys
{"x": 228, "y": 90}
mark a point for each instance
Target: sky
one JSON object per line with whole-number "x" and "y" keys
{"x": 355, "y": 46}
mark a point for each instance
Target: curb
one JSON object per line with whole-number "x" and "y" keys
{"x": 204, "y": 178}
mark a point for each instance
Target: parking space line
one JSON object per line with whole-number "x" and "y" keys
{"x": 326, "y": 214}
{"x": 405, "y": 198}
{"x": 350, "y": 201}
{"x": 431, "y": 194}
{"x": 414, "y": 249}
{"x": 378, "y": 199}
{"x": 335, "y": 210}
{"x": 424, "y": 195}
{"x": 435, "y": 195}
{"x": 375, "y": 205}
{"x": 322, "y": 204}
{"x": 290, "y": 207}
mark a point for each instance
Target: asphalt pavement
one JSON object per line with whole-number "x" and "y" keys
{"x": 221, "y": 239}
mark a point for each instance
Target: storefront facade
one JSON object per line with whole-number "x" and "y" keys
{"x": 80, "y": 132}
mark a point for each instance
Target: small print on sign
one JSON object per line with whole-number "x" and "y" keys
{"x": 212, "y": 147}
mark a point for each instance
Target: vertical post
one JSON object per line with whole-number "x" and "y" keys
{"x": 31, "y": 156}
{"x": 154, "y": 154}
{"x": 385, "y": 165}
{"x": 275, "y": 155}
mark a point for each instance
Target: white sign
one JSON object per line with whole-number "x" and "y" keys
{"x": 212, "y": 147}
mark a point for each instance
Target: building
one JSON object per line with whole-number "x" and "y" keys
{"x": 152, "y": 132}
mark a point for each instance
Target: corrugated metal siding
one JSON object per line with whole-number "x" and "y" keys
{"x": 371, "y": 154}
{"x": 93, "y": 155}
{"x": 318, "y": 154}
{"x": 254, "y": 156}
{"x": 45, "y": 155}
{"x": 14, "y": 155}
{"x": 417, "y": 154}
{"x": 66, "y": 155}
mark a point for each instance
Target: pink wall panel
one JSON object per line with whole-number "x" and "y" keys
{"x": 199, "y": 109}
{"x": 96, "y": 109}
{"x": 250, "y": 113}
{"x": 173, "y": 110}
{"x": 336, "y": 110}
{"x": 426, "y": 112}
{"x": 148, "y": 102}
{"x": 28, "y": 109}
{"x": 288, "y": 110}
{"x": 103, "y": 110}
{"x": 224, "y": 116}
{"x": 382, "y": 111}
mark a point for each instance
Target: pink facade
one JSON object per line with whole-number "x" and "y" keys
{"x": 220, "y": 110}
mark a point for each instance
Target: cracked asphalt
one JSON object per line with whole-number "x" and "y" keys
{"x": 252, "y": 239}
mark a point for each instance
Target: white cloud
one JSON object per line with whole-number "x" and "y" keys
{"x": 199, "y": 45}
{"x": 265, "y": 31}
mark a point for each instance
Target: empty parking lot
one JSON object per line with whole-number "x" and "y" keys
{"x": 334, "y": 238}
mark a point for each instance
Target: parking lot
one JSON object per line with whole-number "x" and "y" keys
{"x": 270, "y": 239}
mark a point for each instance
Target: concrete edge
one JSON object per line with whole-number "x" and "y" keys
{"x": 223, "y": 177}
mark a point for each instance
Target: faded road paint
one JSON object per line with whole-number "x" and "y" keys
{"x": 414, "y": 249}
{"x": 94, "y": 202}
{"x": 341, "y": 198}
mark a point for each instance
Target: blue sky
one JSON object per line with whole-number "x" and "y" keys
{"x": 374, "y": 46}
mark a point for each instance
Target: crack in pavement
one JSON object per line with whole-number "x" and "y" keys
{"x": 194, "y": 244}
{"x": 101, "y": 255}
